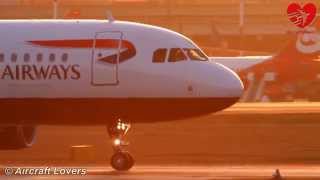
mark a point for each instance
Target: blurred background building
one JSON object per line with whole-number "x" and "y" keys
{"x": 211, "y": 23}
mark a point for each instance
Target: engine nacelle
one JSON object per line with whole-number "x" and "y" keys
{"x": 17, "y": 137}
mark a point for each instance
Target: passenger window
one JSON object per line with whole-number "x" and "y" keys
{"x": 176, "y": 54}
{"x": 159, "y": 56}
{"x": 39, "y": 57}
{"x": 52, "y": 57}
{"x": 1, "y": 57}
{"x": 64, "y": 57}
{"x": 26, "y": 57}
{"x": 14, "y": 57}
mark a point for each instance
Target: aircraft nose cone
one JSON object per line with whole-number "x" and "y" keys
{"x": 234, "y": 84}
{"x": 231, "y": 85}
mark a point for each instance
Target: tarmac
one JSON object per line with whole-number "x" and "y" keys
{"x": 190, "y": 172}
{"x": 246, "y": 141}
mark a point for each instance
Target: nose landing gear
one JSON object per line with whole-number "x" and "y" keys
{"x": 121, "y": 159}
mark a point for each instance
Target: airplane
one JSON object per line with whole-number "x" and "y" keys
{"x": 103, "y": 72}
{"x": 283, "y": 75}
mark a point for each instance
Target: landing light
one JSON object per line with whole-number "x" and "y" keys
{"x": 117, "y": 142}
{"x": 121, "y": 126}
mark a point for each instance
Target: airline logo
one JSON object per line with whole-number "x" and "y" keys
{"x": 62, "y": 70}
{"x": 308, "y": 42}
{"x": 302, "y": 16}
{"x": 128, "y": 53}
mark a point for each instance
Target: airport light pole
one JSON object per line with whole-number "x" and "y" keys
{"x": 241, "y": 23}
{"x": 169, "y": 8}
{"x": 55, "y": 9}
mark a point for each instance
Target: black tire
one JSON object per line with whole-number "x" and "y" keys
{"x": 122, "y": 161}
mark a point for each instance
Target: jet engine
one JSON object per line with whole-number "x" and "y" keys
{"x": 17, "y": 137}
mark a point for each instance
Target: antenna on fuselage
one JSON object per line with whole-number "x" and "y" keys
{"x": 110, "y": 16}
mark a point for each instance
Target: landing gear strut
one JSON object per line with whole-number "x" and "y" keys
{"x": 121, "y": 159}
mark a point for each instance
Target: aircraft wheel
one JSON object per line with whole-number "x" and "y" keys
{"x": 122, "y": 161}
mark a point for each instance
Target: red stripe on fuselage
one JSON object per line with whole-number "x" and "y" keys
{"x": 91, "y": 43}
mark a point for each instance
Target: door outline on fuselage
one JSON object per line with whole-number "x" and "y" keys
{"x": 115, "y": 66}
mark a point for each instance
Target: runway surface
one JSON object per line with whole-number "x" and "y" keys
{"x": 274, "y": 108}
{"x": 191, "y": 172}
{"x": 242, "y": 142}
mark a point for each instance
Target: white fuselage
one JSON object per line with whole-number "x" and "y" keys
{"x": 103, "y": 65}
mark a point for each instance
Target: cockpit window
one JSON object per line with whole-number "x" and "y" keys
{"x": 176, "y": 54}
{"x": 196, "y": 55}
{"x": 159, "y": 56}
